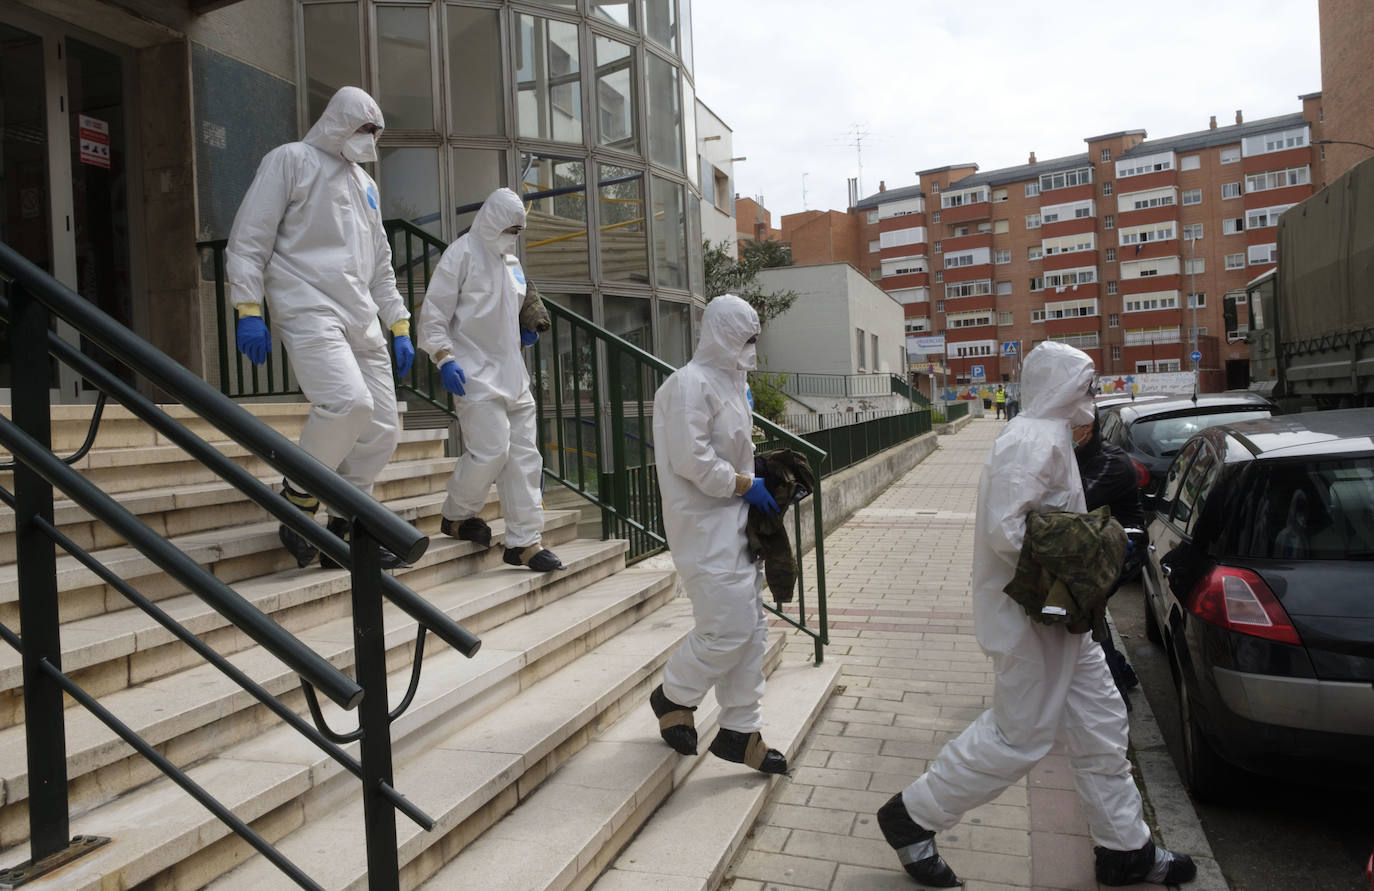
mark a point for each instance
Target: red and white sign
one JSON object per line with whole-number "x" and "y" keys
{"x": 95, "y": 141}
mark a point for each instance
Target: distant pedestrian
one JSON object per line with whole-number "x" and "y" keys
{"x": 1052, "y": 686}
{"x": 999, "y": 399}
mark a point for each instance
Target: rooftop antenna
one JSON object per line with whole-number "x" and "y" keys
{"x": 805, "y": 174}
{"x": 858, "y": 133}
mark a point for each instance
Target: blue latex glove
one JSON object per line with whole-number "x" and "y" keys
{"x": 759, "y": 496}
{"x": 255, "y": 341}
{"x": 453, "y": 378}
{"x": 405, "y": 353}
{"x": 528, "y": 337}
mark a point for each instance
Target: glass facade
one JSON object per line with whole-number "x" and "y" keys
{"x": 585, "y": 107}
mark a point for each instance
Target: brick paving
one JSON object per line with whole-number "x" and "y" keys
{"x": 901, "y": 624}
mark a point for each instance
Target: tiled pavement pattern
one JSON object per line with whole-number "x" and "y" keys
{"x": 901, "y": 623}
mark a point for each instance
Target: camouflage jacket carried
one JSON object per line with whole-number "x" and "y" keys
{"x": 787, "y": 474}
{"x": 1069, "y": 564}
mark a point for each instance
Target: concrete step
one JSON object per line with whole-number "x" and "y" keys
{"x": 690, "y": 841}
{"x": 197, "y": 711}
{"x": 572, "y": 827}
{"x": 180, "y": 508}
{"x": 468, "y": 779}
{"x": 120, "y": 427}
{"x": 454, "y": 746}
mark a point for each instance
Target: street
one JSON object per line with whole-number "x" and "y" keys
{"x": 1277, "y": 833}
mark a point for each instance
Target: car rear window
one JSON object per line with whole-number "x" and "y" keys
{"x": 1163, "y": 437}
{"x": 1319, "y": 510}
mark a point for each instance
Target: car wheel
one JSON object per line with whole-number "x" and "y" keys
{"x": 1207, "y": 776}
{"x": 1151, "y": 623}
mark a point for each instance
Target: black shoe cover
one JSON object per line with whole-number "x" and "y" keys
{"x": 474, "y": 529}
{"x": 749, "y": 749}
{"x": 675, "y": 722}
{"x": 1149, "y": 864}
{"x": 915, "y": 846}
{"x": 340, "y": 527}
{"x": 293, "y": 541}
{"x": 536, "y": 558}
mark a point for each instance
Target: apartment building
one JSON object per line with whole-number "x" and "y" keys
{"x": 1126, "y": 250}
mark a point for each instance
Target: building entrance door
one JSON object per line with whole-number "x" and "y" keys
{"x": 65, "y": 171}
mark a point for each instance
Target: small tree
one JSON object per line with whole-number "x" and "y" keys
{"x": 769, "y": 400}
{"x": 725, "y": 275}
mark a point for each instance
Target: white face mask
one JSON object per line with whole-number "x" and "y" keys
{"x": 506, "y": 242}
{"x": 360, "y": 147}
{"x": 1083, "y": 412}
{"x": 748, "y": 357}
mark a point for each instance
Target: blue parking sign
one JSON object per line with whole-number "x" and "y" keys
{"x": 976, "y": 372}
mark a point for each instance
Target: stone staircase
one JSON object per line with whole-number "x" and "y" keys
{"x": 539, "y": 758}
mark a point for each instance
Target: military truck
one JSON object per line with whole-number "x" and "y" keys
{"x": 1311, "y": 329}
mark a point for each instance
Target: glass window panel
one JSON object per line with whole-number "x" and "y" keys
{"x": 474, "y": 174}
{"x": 687, "y": 34}
{"x": 661, "y": 22}
{"x": 696, "y": 265}
{"x": 547, "y": 79}
{"x": 403, "y": 67}
{"x": 474, "y": 63}
{"x": 615, "y": 99}
{"x": 697, "y": 312}
{"x": 674, "y": 332}
{"x": 670, "y": 234}
{"x": 623, "y": 242}
{"x": 665, "y": 113}
{"x": 555, "y": 225}
{"x": 628, "y": 318}
{"x": 689, "y": 122}
{"x": 331, "y": 53}
{"x": 617, "y": 12}
{"x": 409, "y": 182}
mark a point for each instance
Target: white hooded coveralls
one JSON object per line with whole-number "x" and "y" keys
{"x": 702, "y": 427}
{"x": 309, "y": 238}
{"x": 471, "y": 314}
{"x": 1051, "y": 685}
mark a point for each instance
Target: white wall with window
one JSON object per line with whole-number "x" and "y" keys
{"x": 917, "y": 325}
{"x": 961, "y": 197}
{"x": 1085, "y": 340}
{"x": 1145, "y": 366}
{"x": 1068, "y": 278}
{"x": 901, "y": 208}
{"x": 1142, "y": 164}
{"x": 1276, "y": 141}
{"x": 906, "y": 296}
{"x": 1070, "y": 309}
{"x": 972, "y": 319}
{"x": 1278, "y": 179}
{"x": 971, "y": 349}
{"x": 1147, "y": 198}
{"x": 1147, "y": 233}
{"x": 831, "y": 297}
{"x": 902, "y": 237}
{"x": 1073, "y": 210}
{"x": 1149, "y": 302}
{"x": 1258, "y": 254}
{"x": 1156, "y": 334}
{"x": 1067, "y": 244}
{"x": 979, "y": 288}
{"x": 905, "y": 266}
{"x": 1264, "y": 217}
{"x": 1066, "y": 179}
{"x": 1152, "y": 266}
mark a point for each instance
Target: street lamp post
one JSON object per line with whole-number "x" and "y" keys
{"x": 1342, "y": 142}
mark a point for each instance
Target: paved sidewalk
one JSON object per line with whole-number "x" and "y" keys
{"x": 901, "y": 623}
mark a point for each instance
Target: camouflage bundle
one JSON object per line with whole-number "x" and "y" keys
{"x": 1069, "y": 564}
{"x": 787, "y": 474}
{"x": 533, "y": 315}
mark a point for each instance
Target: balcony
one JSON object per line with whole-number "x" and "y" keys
{"x": 978, "y": 210}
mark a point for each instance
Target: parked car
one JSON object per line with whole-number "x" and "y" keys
{"x": 1152, "y": 432}
{"x": 1259, "y": 584}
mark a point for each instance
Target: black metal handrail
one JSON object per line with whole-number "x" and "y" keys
{"x": 32, "y": 298}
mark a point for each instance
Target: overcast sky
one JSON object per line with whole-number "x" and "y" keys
{"x": 936, "y": 82}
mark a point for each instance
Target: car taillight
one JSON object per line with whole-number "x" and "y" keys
{"x": 1239, "y": 600}
{"x": 1142, "y": 474}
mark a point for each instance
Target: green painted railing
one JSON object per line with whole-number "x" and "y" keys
{"x": 955, "y": 410}
{"x": 853, "y": 443}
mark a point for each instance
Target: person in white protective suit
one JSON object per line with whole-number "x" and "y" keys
{"x": 1052, "y": 686}
{"x": 705, "y": 457}
{"x": 470, "y": 326}
{"x": 308, "y": 238}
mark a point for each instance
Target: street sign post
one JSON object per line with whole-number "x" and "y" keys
{"x": 1196, "y": 356}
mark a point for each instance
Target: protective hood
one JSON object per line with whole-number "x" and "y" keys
{"x": 348, "y": 110}
{"x": 1054, "y": 384}
{"x": 500, "y": 211}
{"x": 726, "y": 326}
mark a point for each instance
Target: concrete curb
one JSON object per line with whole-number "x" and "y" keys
{"x": 1168, "y": 808}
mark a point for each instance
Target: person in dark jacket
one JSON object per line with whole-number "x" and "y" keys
{"x": 1109, "y": 479}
